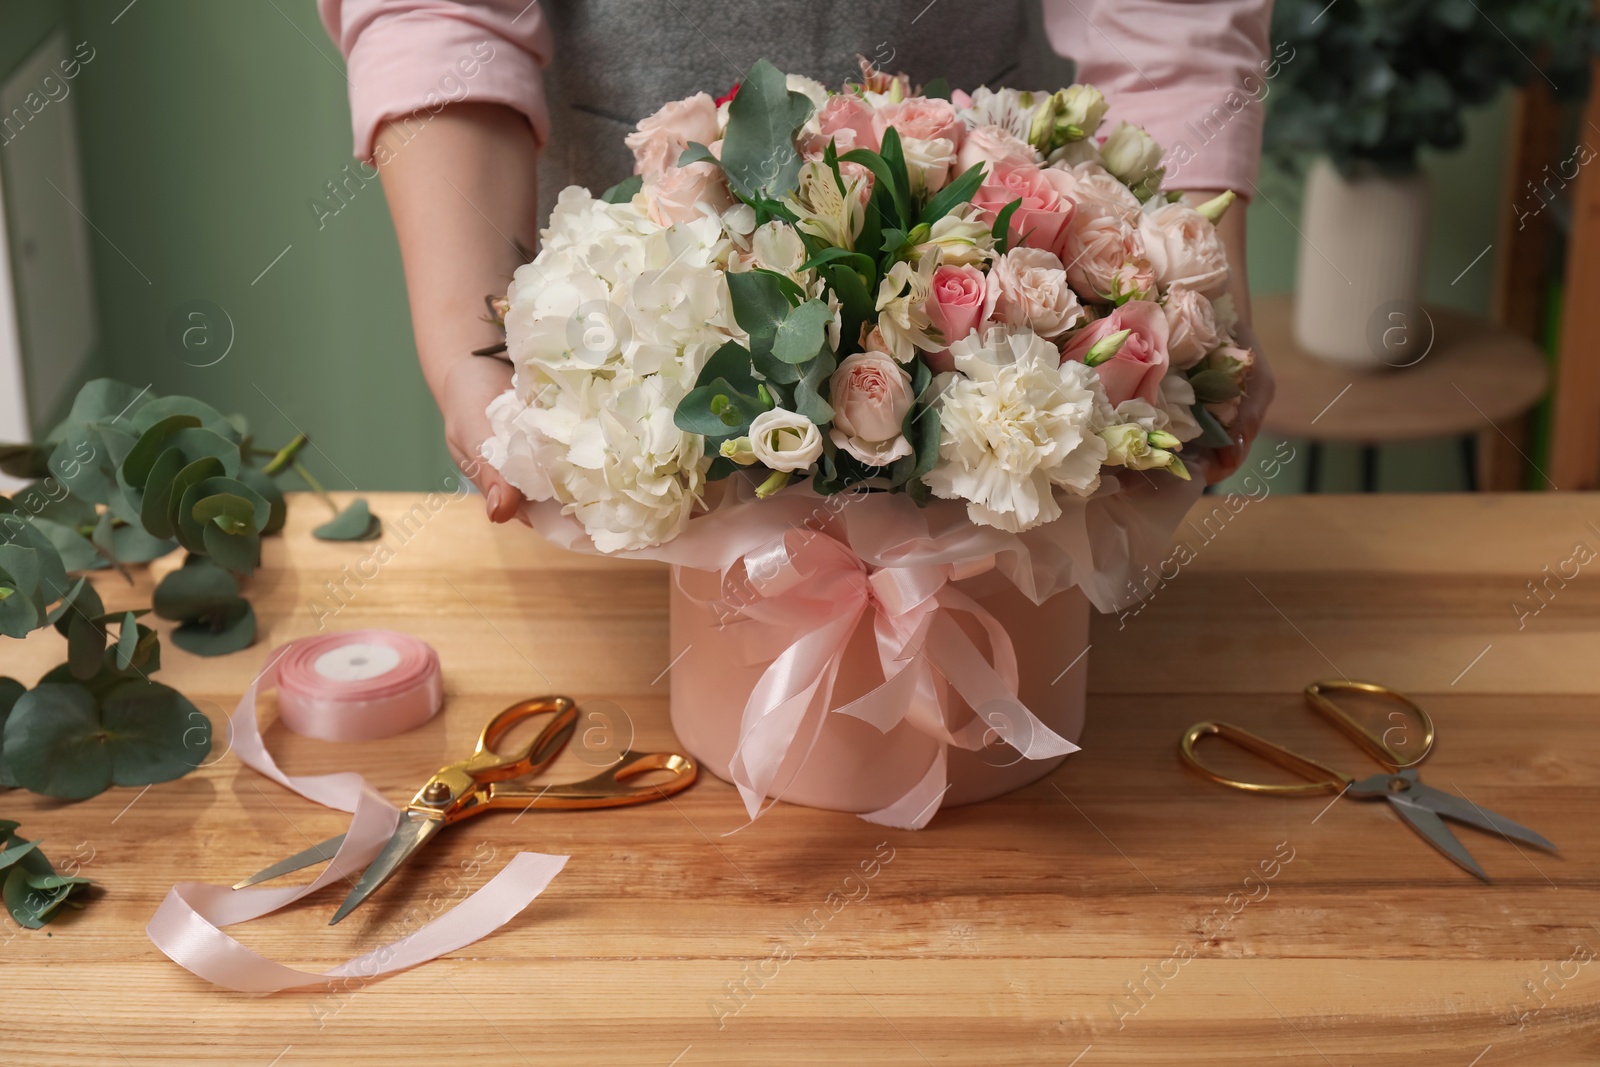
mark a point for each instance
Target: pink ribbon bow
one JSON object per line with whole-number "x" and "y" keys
{"x": 811, "y": 592}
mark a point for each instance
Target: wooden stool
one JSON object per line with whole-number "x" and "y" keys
{"x": 1475, "y": 378}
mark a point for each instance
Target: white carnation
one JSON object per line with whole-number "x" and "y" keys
{"x": 1015, "y": 422}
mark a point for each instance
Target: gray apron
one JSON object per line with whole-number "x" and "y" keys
{"x": 617, "y": 61}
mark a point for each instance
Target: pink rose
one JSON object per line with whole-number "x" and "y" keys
{"x": 681, "y": 194}
{"x": 1041, "y": 220}
{"x": 921, "y": 117}
{"x": 1097, "y": 192}
{"x": 1028, "y": 287}
{"x": 659, "y": 141}
{"x": 955, "y": 307}
{"x": 1138, "y": 367}
{"x": 848, "y": 121}
{"x": 1106, "y": 257}
{"x": 994, "y": 146}
{"x": 1184, "y": 249}
{"x": 1191, "y": 326}
{"x": 870, "y": 394}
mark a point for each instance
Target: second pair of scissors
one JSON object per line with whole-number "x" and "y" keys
{"x": 1419, "y": 806}
{"x": 485, "y": 780}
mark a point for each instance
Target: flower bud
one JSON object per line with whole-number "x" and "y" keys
{"x": 1106, "y": 348}
{"x": 1217, "y": 206}
{"x": 1134, "y": 157}
{"x": 1079, "y": 111}
{"x": 738, "y": 449}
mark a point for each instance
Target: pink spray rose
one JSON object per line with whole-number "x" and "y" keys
{"x": 1138, "y": 367}
{"x": 678, "y": 193}
{"x": 1042, "y": 219}
{"x": 661, "y": 138}
{"x": 1184, "y": 249}
{"x": 1105, "y": 256}
{"x": 956, "y": 308}
{"x": 1028, "y": 287}
{"x": 848, "y": 122}
{"x": 1191, "y": 326}
{"x": 870, "y": 394}
{"x": 993, "y": 146}
{"x": 921, "y": 117}
{"x": 1097, "y": 192}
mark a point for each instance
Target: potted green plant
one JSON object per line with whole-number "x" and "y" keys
{"x": 1372, "y": 83}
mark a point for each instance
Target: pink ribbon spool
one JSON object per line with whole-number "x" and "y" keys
{"x": 360, "y": 685}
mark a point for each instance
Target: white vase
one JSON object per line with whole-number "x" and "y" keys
{"x": 1363, "y": 250}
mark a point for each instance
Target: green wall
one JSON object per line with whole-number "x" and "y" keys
{"x": 208, "y": 127}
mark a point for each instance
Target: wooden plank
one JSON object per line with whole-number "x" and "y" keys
{"x": 1086, "y": 917}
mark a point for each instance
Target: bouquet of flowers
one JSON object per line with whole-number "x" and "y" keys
{"x": 964, "y": 296}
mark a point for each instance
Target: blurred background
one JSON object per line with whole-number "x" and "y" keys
{"x": 182, "y": 209}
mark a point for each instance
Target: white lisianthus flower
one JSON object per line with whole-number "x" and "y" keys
{"x": 928, "y": 163}
{"x": 961, "y": 238}
{"x": 823, "y": 211}
{"x": 1134, "y": 157}
{"x": 1082, "y": 107}
{"x": 1014, "y": 423}
{"x": 608, "y": 329}
{"x": 785, "y": 440}
{"x": 903, "y": 308}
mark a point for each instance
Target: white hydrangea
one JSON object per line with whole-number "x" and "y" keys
{"x": 1015, "y": 422}
{"x": 608, "y": 328}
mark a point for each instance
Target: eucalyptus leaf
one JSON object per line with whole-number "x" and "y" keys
{"x": 354, "y": 523}
{"x": 232, "y": 514}
{"x": 24, "y": 460}
{"x": 267, "y": 489}
{"x": 240, "y": 553}
{"x": 151, "y": 444}
{"x": 156, "y": 512}
{"x": 624, "y": 190}
{"x": 228, "y": 629}
{"x": 802, "y": 332}
{"x": 164, "y": 407}
{"x": 758, "y": 150}
{"x": 76, "y": 551}
{"x": 198, "y": 588}
{"x": 10, "y": 691}
{"x": 1212, "y": 433}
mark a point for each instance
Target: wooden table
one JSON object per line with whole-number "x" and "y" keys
{"x": 1008, "y": 933}
{"x": 1453, "y": 375}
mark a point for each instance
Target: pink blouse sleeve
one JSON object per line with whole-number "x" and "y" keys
{"x": 409, "y": 56}
{"x": 1192, "y": 72}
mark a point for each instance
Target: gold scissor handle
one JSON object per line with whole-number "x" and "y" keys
{"x": 488, "y": 764}
{"x": 1320, "y": 779}
{"x": 611, "y": 788}
{"x": 1317, "y": 695}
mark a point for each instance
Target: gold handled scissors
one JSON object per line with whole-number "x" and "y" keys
{"x": 486, "y": 779}
{"x": 1419, "y": 806}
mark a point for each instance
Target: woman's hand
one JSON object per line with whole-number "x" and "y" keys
{"x": 1259, "y": 389}
{"x": 469, "y": 385}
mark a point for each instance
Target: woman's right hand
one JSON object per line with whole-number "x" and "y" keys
{"x": 469, "y": 385}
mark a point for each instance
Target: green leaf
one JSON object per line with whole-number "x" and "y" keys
{"x": 1212, "y": 434}
{"x": 732, "y": 362}
{"x": 60, "y": 743}
{"x": 1001, "y": 232}
{"x": 885, "y": 181}
{"x": 164, "y": 407}
{"x": 156, "y": 512}
{"x": 10, "y": 691}
{"x": 240, "y": 553}
{"x": 200, "y": 587}
{"x": 937, "y": 89}
{"x": 131, "y": 544}
{"x": 697, "y": 153}
{"x": 894, "y": 158}
{"x": 354, "y": 523}
{"x": 15, "y": 852}
{"x": 954, "y": 195}
{"x": 277, "y": 506}
{"x": 759, "y": 305}
{"x": 623, "y": 191}
{"x": 106, "y": 399}
{"x": 157, "y": 735}
{"x": 127, "y": 640}
{"x": 81, "y": 599}
{"x": 695, "y": 413}
{"x": 859, "y": 263}
{"x": 187, "y": 530}
{"x": 219, "y": 633}
{"x": 86, "y": 646}
{"x": 75, "y": 550}
{"x": 856, "y": 303}
{"x": 232, "y": 514}
{"x": 54, "y": 744}
{"x": 151, "y": 444}
{"x": 1213, "y": 387}
{"x": 758, "y": 152}
{"x": 802, "y": 333}
{"x": 808, "y": 399}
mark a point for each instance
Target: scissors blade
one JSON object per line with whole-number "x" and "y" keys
{"x": 1435, "y": 832}
{"x": 313, "y": 855}
{"x": 1463, "y": 810}
{"x": 413, "y": 832}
